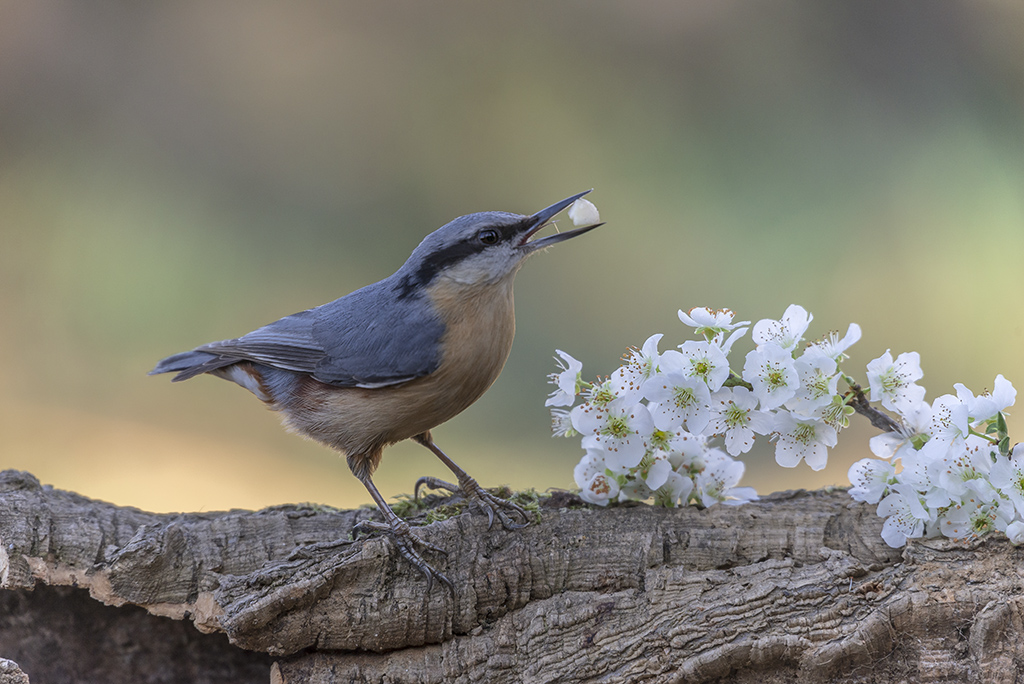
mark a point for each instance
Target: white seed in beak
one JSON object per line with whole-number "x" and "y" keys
{"x": 584, "y": 213}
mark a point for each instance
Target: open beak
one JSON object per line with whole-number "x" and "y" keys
{"x": 541, "y": 218}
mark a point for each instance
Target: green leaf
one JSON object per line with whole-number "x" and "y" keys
{"x": 737, "y": 381}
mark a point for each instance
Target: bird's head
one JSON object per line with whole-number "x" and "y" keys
{"x": 484, "y": 248}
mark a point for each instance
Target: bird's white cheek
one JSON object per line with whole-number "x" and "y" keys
{"x": 487, "y": 267}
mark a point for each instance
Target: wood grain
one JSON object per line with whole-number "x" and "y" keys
{"x": 796, "y": 587}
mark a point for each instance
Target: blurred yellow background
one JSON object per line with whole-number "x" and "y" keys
{"x": 181, "y": 172}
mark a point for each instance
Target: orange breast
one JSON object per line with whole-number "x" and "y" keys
{"x": 479, "y": 328}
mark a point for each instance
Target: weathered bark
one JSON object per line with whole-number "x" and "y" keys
{"x": 797, "y": 587}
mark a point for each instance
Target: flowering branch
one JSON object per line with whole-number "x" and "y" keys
{"x": 669, "y": 425}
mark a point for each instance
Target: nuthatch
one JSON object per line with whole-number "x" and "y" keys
{"x": 394, "y": 359}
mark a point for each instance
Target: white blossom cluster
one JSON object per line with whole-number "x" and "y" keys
{"x": 668, "y": 424}
{"x": 949, "y": 468}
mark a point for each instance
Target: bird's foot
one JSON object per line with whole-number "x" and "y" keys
{"x": 481, "y": 498}
{"x": 406, "y": 542}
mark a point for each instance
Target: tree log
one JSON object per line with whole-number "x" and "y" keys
{"x": 796, "y": 587}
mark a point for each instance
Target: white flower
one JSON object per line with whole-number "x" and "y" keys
{"x": 685, "y": 450}
{"x": 658, "y": 470}
{"x": 772, "y": 373}
{"x": 913, "y": 433}
{"x": 717, "y": 482}
{"x": 561, "y": 423}
{"x": 786, "y": 332}
{"x": 638, "y": 365}
{"x": 972, "y": 519}
{"x": 713, "y": 325}
{"x": 676, "y": 489}
{"x": 678, "y": 399}
{"x": 701, "y": 360}
{"x": 889, "y": 444}
{"x": 599, "y": 489}
{"x": 1015, "y": 532}
{"x": 709, "y": 323}
{"x": 1007, "y": 475}
{"x": 802, "y": 439}
{"x": 567, "y": 381}
{"x": 964, "y": 473}
{"x": 984, "y": 407}
{"x": 893, "y": 382}
{"x": 634, "y": 490}
{"x": 871, "y": 479}
{"x": 836, "y": 413}
{"x": 726, "y": 344}
{"x": 921, "y": 471}
{"x": 591, "y": 476}
{"x": 591, "y": 463}
{"x": 601, "y": 395}
{"x": 675, "y": 439}
{"x": 905, "y": 515}
{"x": 948, "y": 426}
{"x": 819, "y": 379}
{"x": 584, "y": 213}
{"x": 619, "y": 429}
{"x": 733, "y": 414}
{"x": 834, "y": 348}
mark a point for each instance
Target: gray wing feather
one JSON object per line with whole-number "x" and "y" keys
{"x": 372, "y": 340}
{"x": 287, "y": 343}
{"x": 368, "y": 338}
{"x": 189, "y": 364}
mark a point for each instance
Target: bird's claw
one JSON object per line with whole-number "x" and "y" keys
{"x": 433, "y": 483}
{"x": 406, "y": 542}
{"x": 488, "y": 503}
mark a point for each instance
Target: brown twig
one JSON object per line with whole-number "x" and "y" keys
{"x": 860, "y": 403}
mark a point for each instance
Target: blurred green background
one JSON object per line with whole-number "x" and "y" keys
{"x": 181, "y": 172}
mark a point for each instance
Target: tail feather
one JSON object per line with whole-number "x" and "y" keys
{"x": 190, "y": 364}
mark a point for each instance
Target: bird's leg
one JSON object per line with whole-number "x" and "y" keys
{"x": 484, "y": 500}
{"x": 402, "y": 536}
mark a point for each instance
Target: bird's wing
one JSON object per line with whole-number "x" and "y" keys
{"x": 374, "y": 341}
{"x": 286, "y": 343}
{"x": 354, "y": 341}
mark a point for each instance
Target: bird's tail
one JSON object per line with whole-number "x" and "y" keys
{"x": 190, "y": 364}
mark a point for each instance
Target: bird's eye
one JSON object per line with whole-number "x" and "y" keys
{"x": 488, "y": 236}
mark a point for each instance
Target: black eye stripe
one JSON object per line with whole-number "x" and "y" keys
{"x": 439, "y": 261}
{"x": 446, "y": 257}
